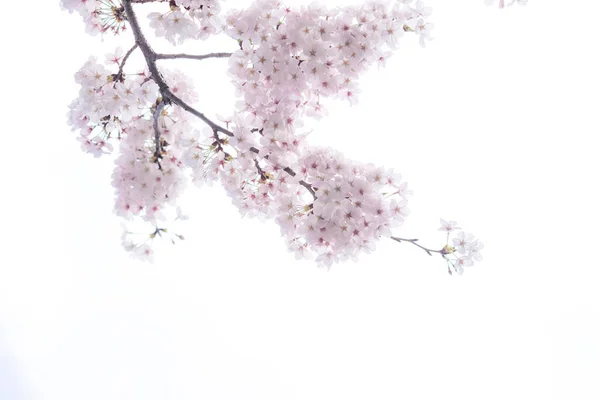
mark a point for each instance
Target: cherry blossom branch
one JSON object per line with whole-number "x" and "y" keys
{"x": 443, "y": 251}
{"x": 160, "y": 56}
{"x": 105, "y": 15}
{"x": 291, "y": 172}
{"x": 151, "y": 56}
{"x": 262, "y": 174}
{"x": 308, "y": 186}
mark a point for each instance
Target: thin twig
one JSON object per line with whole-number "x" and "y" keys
{"x": 308, "y": 186}
{"x": 291, "y": 172}
{"x": 262, "y": 174}
{"x": 414, "y": 241}
{"x": 122, "y": 65}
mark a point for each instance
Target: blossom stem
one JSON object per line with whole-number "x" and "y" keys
{"x": 414, "y": 241}
{"x": 160, "y": 56}
{"x": 120, "y": 72}
{"x": 262, "y": 174}
{"x": 291, "y": 172}
{"x": 308, "y": 186}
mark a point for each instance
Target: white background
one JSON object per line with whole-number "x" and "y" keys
{"x": 494, "y": 125}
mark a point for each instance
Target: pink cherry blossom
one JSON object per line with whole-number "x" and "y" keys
{"x": 328, "y": 208}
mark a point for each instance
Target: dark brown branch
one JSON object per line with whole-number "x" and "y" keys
{"x": 150, "y": 56}
{"x": 291, "y": 172}
{"x": 160, "y": 56}
{"x": 262, "y": 174}
{"x": 308, "y": 186}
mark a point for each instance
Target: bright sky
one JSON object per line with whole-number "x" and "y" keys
{"x": 493, "y": 125}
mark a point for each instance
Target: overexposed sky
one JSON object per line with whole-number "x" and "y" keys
{"x": 493, "y": 124}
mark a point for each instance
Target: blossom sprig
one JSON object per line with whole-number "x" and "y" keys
{"x": 465, "y": 248}
{"x": 140, "y": 244}
{"x": 186, "y": 19}
{"x": 464, "y": 251}
{"x": 142, "y": 249}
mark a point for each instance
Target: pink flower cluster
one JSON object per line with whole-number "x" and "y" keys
{"x": 327, "y": 206}
{"x": 331, "y": 209}
{"x": 106, "y": 105}
{"x": 356, "y": 204}
{"x": 120, "y": 109}
{"x": 144, "y": 186}
{"x": 288, "y": 60}
{"x": 186, "y": 19}
{"x": 465, "y": 244}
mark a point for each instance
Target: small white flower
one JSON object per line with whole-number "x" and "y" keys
{"x": 448, "y": 226}
{"x": 463, "y": 242}
{"x": 144, "y": 253}
{"x": 474, "y": 250}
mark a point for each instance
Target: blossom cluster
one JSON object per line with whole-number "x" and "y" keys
{"x": 290, "y": 59}
{"x": 465, "y": 244}
{"x": 186, "y": 19}
{"x": 331, "y": 209}
{"x": 355, "y": 205}
{"x": 107, "y": 103}
{"x": 114, "y": 108}
{"x": 327, "y": 207}
{"x": 111, "y": 102}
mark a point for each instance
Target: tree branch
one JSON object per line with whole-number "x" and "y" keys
{"x": 308, "y": 186}
{"x": 443, "y": 251}
{"x": 151, "y": 56}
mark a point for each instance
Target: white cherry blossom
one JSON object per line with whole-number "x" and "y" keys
{"x": 329, "y": 208}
